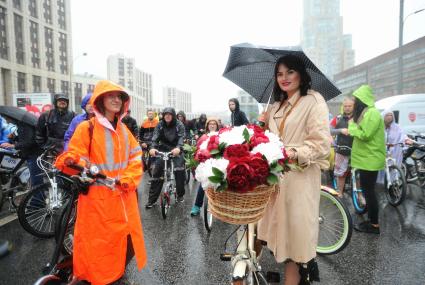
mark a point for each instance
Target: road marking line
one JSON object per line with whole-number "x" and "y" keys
{"x": 8, "y": 219}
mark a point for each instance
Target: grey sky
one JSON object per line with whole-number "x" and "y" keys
{"x": 185, "y": 43}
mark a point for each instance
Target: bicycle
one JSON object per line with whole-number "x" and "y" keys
{"x": 169, "y": 186}
{"x": 413, "y": 164}
{"x": 395, "y": 181}
{"x": 352, "y": 184}
{"x": 59, "y": 269}
{"x": 14, "y": 178}
{"x": 38, "y": 210}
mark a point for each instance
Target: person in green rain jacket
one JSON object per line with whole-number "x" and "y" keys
{"x": 368, "y": 151}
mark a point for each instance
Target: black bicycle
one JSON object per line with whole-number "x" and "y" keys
{"x": 14, "y": 178}
{"x": 413, "y": 164}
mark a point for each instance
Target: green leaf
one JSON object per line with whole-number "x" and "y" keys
{"x": 246, "y": 135}
{"x": 222, "y": 187}
{"x": 187, "y": 148}
{"x": 215, "y": 179}
{"x": 272, "y": 179}
{"x": 215, "y": 152}
{"x": 217, "y": 172}
{"x": 277, "y": 168}
{"x": 221, "y": 146}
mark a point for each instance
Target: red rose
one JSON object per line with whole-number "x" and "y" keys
{"x": 257, "y": 129}
{"x": 213, "y": 143}
{"x": 202, "y": 155}
{"x": 239, "y": 175}
{"x": 236, "y": 150}
{"x": 257, "y": 139}
{"x": 261, "y": 169}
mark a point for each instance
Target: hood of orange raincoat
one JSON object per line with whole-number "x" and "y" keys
{"x": 105, "y": 86}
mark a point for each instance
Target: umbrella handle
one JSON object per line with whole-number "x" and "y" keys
{"x": 268, "y": 103}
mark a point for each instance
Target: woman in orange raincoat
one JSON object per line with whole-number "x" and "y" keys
{"x": 106, "y": 219}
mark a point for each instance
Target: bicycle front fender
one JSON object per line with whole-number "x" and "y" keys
{"x": 329, "y": 190}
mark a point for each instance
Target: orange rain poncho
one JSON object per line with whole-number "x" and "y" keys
{"x": 104, "y": 217}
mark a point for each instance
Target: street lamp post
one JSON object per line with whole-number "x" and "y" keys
{"x": 71, "y": 71}
{"x": 400, "y": 45}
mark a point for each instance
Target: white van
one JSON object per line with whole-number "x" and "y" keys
{"x": 409, "y": 111}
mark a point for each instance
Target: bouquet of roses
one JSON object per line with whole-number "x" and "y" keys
{"x": 239, "y": 159}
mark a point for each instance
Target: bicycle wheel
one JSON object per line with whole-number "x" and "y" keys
{"x": 68, "y": 242}
{"x": 396, "y": 193}
{"x": 165, "y": 204}
{"x": 335, "y": 224}
{"x": 208, "y": 217}
{"x": 36, "y": 214}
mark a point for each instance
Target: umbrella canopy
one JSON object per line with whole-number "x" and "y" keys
{"x": 252, "y": 69}
{"x": 19, "y": 115}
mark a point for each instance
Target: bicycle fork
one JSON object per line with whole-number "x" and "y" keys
{"x": 245, "y": 257}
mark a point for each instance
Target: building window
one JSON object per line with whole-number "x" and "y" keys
{"x": 120, "y": 67}
{"x": 47, "y": 7}
{"x": 3, "y": 34}
{"x": 17, "y": 4}
{"x": 64, "y": 87}
{"x": 19, "y": 39}
{"x": 51, "y": 85}
{"x": 63, "y": 55}
{"x": 35, "y": 49}
{"x": 21, "y": 82}
{"x": 32, "y": 7}
{"x": 36, "y": 83}
{"x": 50, "y": 59}
{"x": 61, "y": 14}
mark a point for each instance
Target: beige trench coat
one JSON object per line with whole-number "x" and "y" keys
{"x": 290, "y": 225}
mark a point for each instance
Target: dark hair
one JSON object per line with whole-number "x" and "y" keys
{"x": 359, "y": 106}
{"x": 295, "y": 63}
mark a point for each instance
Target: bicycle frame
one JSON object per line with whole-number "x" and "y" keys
{"x": 166, "y": 156}
{"x": 51, "y": 173}
{"x": 246, "y": 257}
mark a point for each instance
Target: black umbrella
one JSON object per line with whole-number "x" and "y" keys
{"x": 252, "y": 69}
{"x": 18, "y": 114}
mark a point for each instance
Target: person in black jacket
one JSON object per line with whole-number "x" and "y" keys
{"x": 200, "y": 125}
{"x": 188, "y": 125}
{"x": 238, "y": 117}
{"x": 131, "y": 124}
{"x": 167, "y": 137}
{"x": 24, "y": 141}
{"x": 52, "y": 125}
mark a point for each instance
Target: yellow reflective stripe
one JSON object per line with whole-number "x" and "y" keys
{"x": 134, "y": 150}
{"x": 109, "y": 146}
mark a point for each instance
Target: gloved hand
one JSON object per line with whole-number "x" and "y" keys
{"x": 83, "y": 184}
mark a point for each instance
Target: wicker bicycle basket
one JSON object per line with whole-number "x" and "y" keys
{"x": 239, "y": 208}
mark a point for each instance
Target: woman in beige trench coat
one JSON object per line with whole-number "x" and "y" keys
{"x": 300, "y": 117}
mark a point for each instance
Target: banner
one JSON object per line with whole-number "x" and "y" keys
{"x": 35, "y": 103}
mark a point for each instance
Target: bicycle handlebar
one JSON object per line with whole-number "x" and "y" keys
{"x": 93, "y": 172}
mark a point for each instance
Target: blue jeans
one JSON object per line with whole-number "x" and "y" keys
{"x": 36, "y": 174}
{"x": 199, "y": 201}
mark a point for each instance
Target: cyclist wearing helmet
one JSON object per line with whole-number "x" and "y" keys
{"x": 52, "y": 125}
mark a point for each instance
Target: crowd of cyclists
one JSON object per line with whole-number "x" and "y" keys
{"x": 107, "y": 136}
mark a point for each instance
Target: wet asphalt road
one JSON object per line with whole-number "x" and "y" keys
{"x": 181, "y": 251}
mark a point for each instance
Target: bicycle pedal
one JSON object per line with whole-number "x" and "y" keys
{"x": 273, "y": 277}
{"x": 226, "y": 256}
